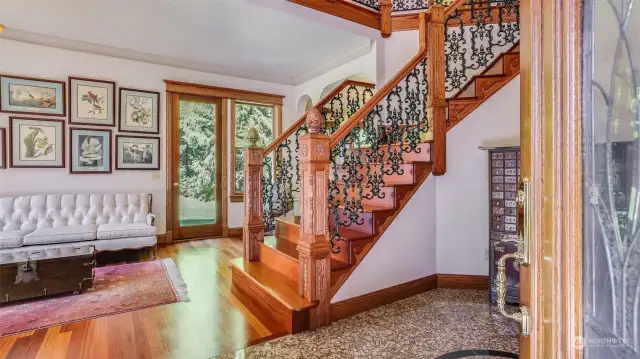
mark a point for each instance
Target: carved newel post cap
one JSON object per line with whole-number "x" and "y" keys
{"x": 315, "y": 121}
{"x": 253, "y": 136}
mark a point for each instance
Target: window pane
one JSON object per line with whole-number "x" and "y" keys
{"x": 247, "y": 116}
{"x": 197, "y": 183}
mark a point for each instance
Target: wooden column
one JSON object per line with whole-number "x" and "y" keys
{"x": 314, "y": 246}
{"x": 385, "y": 18}
{"x": 436, "y": 99}
{"x": 252, "y": 223}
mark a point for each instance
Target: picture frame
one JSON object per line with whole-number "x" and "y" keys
{"x": 137, "y": 153}
{"x": 36, "y": 143}
{"x": 92, "y": 102}
{"x": 90, "y": 151}
{"x": 3, "y": 148}
{"x": 138, "y": 111}
{"x": 32, "y": 96}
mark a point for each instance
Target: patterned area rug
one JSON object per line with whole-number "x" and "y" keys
{"x": 116, "y": 289}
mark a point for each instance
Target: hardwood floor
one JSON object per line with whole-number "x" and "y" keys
{"x": 212, "y": 323}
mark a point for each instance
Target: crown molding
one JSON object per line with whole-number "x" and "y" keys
{"x": 354, "y": 54}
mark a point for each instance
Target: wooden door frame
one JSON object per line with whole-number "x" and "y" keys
{"x": 172, "y": 165}
{"x": 551, "y": 157}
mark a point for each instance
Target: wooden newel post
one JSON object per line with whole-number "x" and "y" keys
{"x": 253, "y": 222}
{"x": 314, "y": 247}
{"x": 436, "y": 75}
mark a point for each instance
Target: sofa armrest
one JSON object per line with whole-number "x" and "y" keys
{"x": 151, "y": 219}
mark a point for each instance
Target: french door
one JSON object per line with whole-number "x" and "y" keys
{"x": 197, "y": 166}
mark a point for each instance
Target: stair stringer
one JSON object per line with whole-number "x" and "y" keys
{"x": 408, "y": 245}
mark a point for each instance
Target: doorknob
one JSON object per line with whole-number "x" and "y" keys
{"x": 522, "y": 255}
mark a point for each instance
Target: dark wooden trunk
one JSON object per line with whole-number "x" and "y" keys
{"x": 47, "y": 277}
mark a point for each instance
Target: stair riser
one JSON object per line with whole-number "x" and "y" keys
{"x": 423, "y": 155}
{"x": 388, "y": 199}
{"x": 393, "y": 179}
{"x": 279, "y": 262}
{"x": 268, "y": 310}
{"x": 367, "y": 222}
{"x": 288, "y": 231}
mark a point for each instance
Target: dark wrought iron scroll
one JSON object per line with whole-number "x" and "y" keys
{"x": 374, "y": 149}
{"x": 492, "y": 28}
{"x": 281, "y": 182}
{"x": 372, "y": 4}
{"x": 611, "y": 179}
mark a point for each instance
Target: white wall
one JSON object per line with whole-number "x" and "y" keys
{"x": 463, "y": 192}
{"x": 405, "y": 252}
{"x": 365, "y": 65}
{"x": 398, "y": 50}
{"x": 39, "y": 61}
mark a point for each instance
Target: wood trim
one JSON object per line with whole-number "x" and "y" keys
{"x": 436, "y": 98}
{"x": 386, "y": 18}
{"x": 362, "y": 303}
{"x": 236, "y": 198}
{"x": 225, "y": 169}
{"x": 162, "y": 238}
{"x": 345, "y": 10}
{"x": 376, "y": 98}
{"x": 234, "y": 232}
{"x": 222, "y": 92}
{"x": 168, "y": 166}
{"x": 531, "y": 151}
{"x": 3, "y": 143}
{"x": 463, "y": 281}
{"x": 325, "y": 100}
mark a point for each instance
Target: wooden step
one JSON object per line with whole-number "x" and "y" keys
{"x": 280, "y": 255}
{"x": 388, "y": 195}
{"x": 422, "y": 154}
{"x": 270, "y": 296}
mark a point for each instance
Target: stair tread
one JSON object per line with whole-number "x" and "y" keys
{"x": 282, "y": 245}
{"x": 289, "y": 219}
{"x": 352, "y": 235}
{"x": 372, "y": 208}
{"x": 345, "y": 233}
{"x": 276, "y": 284}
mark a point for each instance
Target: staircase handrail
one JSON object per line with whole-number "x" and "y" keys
{"x": 323, "y": 102}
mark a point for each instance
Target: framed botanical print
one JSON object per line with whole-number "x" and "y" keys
{"x": 36, "y": 143}
{"x": 139, "y": 111}
{"x": 92, "y": 102}
{"x": 137, "y": 153}
{"x": 90, "y": 151}
{"x": 32, "y": 96}
{"x": 3, "y": 148}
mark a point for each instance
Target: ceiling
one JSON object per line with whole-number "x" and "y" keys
{"x": 233, "y": 37}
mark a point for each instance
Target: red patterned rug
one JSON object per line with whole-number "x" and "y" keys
{"x": 116, "y": 289}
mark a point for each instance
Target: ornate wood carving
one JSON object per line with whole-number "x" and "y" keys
{"x": 314, "y": 246}
{"x": 252, "y": 223}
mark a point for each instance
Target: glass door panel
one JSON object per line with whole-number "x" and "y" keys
{"x": 197, "y": 169}
{"x": 611, "y": 242}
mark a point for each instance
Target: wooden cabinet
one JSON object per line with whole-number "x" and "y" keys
{"x": 504, "y": 178}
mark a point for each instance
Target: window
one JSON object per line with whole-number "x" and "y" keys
{"x": 266, "y": 118}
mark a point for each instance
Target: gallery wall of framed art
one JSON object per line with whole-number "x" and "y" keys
{"x": 38, "y": 142}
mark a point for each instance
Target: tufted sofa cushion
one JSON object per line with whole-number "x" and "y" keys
{"x": 60, "y": 235}
{"x": 126, "y": 230}
{"x": 53, "y": 211}
{"x": 11, "y": 239}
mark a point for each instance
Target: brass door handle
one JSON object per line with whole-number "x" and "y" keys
{"x": 522, "y": 255}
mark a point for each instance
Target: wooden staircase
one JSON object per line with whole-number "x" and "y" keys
{"x": 270, "y": 285}
{"x": 504, "y": 69}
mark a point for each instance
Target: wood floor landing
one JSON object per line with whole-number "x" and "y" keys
{"x": 214, "y": 322}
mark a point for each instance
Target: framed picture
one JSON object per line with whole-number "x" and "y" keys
{"x": 26, "y": 95}
{"x": 92, "y": 102}
{"x": 90, "y": 151}
{"x": 137, "y": 153}
{"x": 139, "y": 111}
{"x": 36, "y": 143}
{"x": 3, "y": 148}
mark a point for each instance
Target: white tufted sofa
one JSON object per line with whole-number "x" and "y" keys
{"x": 53, "y": 226}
